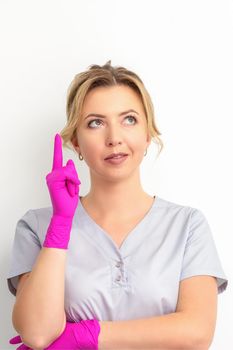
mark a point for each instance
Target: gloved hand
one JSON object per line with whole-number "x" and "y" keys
{"x": 63, "y": 184}
{"x": 82, "y": 335}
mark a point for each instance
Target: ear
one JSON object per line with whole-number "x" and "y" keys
{"x": 74, "y": 142}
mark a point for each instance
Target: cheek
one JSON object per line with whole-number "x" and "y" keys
{"x": 92, "y": 151}
{"x": 138, "y": 143}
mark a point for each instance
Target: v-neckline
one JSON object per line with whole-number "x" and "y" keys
{"x": 130, "y": 234}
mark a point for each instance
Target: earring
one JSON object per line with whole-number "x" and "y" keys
{"x": 145, "y": 153}
{"x": 80, "y": 156}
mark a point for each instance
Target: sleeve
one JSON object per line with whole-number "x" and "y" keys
{"x": 26, "y": 247}
{"x": 201, "y": 256}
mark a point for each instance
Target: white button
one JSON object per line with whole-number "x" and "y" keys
{"x": 118, "y": 264}
{"x": 118, "y": 278}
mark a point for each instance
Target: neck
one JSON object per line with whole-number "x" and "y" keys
{"x": 119, "y": 197}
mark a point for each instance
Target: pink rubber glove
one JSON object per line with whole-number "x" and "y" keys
{"x": 63, "y": 184}
{"x": 76, "y": 336}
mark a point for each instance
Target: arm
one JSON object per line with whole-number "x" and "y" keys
{"x": 38, "y": 314}
{"x": 38, "y": 311}
{"x": 190, "y": 327}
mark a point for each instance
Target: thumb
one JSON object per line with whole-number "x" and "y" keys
{"x": 70, "y": 162}
{"x": 71, "y": 186}
{"x": 71, "y": 165}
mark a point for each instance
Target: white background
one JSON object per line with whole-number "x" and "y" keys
{"x": 183, "y": 52}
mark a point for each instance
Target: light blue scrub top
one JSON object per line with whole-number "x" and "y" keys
{"x": 141, "y": 278}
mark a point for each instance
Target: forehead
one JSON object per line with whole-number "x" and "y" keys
{"x": 112, "y": 99}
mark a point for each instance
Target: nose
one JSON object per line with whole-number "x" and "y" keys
{"x": 113, "y": 137}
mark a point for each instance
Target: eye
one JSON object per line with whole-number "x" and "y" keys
{"x": 99, "y": 120}
{"x": 131, "y": 117}
{"x": 94, "y": 120}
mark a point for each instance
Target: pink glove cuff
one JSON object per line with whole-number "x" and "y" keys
{"x": 58, "y": 233}
{"x": 87, "y": 334}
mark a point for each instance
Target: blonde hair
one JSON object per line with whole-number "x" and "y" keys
{"x": 104, "y": 76}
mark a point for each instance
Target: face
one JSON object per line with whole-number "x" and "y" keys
{"x": 116, "y": 130}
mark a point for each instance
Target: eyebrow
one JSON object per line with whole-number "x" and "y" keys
{"x": 103, "y": 116}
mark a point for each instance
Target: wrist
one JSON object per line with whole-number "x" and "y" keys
{"x": 58, "y": 233}
{"x": 61, "y": 220}
{"x": 103, "y": 340}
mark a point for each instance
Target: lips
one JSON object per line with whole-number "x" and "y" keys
{"x": 116, "y": 155}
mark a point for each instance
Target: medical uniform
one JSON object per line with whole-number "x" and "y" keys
{"x": 141, "y": 278}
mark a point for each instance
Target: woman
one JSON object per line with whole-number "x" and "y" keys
{"x": 117, "y": 268}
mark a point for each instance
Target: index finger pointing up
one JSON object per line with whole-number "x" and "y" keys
{"x": 57, "y": 155}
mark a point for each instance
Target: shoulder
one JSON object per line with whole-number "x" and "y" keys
{"x": 174, "y": 208}
{"x": 34, "y": 223}
{"x": 43, "y": 213}
{"x": 37, "y": 216}
{"x": 43, "y": 216}
{"x": 183, "y": 219}
{"x": 38, "y": 213}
